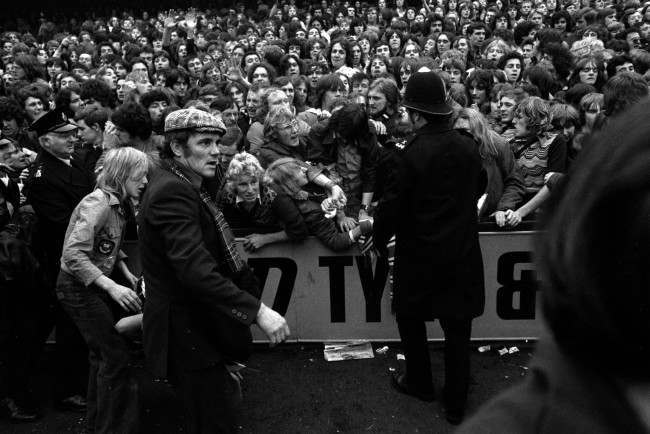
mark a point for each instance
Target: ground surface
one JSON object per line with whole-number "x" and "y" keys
{"x": 292, "y": 389}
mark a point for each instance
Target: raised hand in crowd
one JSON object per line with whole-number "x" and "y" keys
{"x": 111, "y": 140}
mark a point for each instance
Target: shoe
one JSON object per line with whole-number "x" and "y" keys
{"x": 16, "y": 413}
{"x": 398, "y": 382}
{"x": 453, "y": 413}
{"x": 72, "y": 403}
{"x": 454, "y": 417}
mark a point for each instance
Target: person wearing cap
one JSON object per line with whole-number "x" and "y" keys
{"x": 12, "y": 162}
{"x": 54, "y": 187}
{"x": 201, "y": 296}
{"x": 438, "y": 274}
{"x": 19, "y": 340}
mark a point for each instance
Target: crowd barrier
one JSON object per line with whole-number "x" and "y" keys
{"x": 328, "y": 296}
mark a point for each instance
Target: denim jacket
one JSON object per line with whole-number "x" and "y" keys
{"x": 93, "y": 238}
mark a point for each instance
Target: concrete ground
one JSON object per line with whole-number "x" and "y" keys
{"x": 292, "y": 389}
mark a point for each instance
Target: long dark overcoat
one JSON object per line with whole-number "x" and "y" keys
{"x": 432, "y": 209}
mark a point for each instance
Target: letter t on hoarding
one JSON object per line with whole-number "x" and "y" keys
{"x": 336, "y": 266}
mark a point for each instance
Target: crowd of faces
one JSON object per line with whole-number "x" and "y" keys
{"x": 484, "y": 50}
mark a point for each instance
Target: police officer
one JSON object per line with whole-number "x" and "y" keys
{"x": 56, "y": 184}
{"x": 431, "y": 209}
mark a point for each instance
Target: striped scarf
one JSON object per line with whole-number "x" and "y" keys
{"x": 227, "y": 243}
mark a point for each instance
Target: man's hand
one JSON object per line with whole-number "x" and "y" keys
{"x": 170, "y": 22}
{"x": 345, "y": 223}
{"x": 130, "y": 277}
{"x": 363, "y": 214}
{"x": 125, "y": 297}
{"x": 190, "y": 20}
{"x": 272, "y": 324}
{"x": 234, "y": 71}
{"x": 110, "y": 136}
{"x": 338, "y": 196}
{"x": 513, "y": 218}
{"x": 500, "y": 217}
{"x": 380, "y": 128}
{"x": 548, "y": 176}
{"x": 253, "y": 242}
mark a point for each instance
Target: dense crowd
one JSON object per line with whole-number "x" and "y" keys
{"x": 310, "y": 98}
{"x": 529, "y": 80}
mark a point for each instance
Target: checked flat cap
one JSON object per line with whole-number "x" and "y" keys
{"x": 193, "y": 119}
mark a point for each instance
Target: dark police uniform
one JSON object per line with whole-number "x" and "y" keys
{"x": 432, "y": 210}
{"x": 54, "y": 188}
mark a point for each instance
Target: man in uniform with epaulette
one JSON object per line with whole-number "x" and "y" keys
{"x": 55, "y": 186}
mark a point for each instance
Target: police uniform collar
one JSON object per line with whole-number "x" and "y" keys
{"x": 48, "y": 155}
{"x": 437, "y": 127}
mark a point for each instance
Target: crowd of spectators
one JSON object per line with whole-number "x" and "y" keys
{"x": 310, "y": 96}
{"x": 529, "y": 80}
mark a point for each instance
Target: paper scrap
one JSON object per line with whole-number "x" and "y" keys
{"x": 503, "y": 351}
{"x": 484, "y": 348}
{"x": 513, "y": 350}
{"x": 350, "y": 350}
{"x": 401, "y": 357}
{"x": 382, "y": 350}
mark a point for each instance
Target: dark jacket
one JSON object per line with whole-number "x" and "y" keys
{"x": 54, "y": 189}
{"x": 272, "y": 150}
{"x": 505, "y": 185}
{"x": 322, "y": 138}
{"x": 318, "y": 225}
{"x": 9, "y": 194}
{"x": 432, "y": 211}
{"x": 272, "y": 213}
{"x": 558, "y": 396}
{"x": 88, "y": 155}
{"x": 187, "y": 290}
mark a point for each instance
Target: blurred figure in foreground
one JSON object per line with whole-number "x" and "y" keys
{"x": 591, "y": 374}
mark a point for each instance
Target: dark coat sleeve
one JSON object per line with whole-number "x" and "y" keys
{"x": 393, "y": 202}
{"x": 369, "y": 165}
{"x": 323, "y": 228}
{"x": 5, "y": 216}
{"x": 557, "y": 155}
{"x": 176, "y": 215}
{"x": 49, "y": 199}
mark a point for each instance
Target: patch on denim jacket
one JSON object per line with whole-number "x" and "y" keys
{"x": 105, "y": 246}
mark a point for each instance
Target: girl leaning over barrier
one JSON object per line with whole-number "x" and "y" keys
{"x": 289, "y": 177}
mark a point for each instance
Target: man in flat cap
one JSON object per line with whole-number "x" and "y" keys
{"x": 55, "y": 186}
{"x": 438, "y": 271}
{"x": 201, "y": 296}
